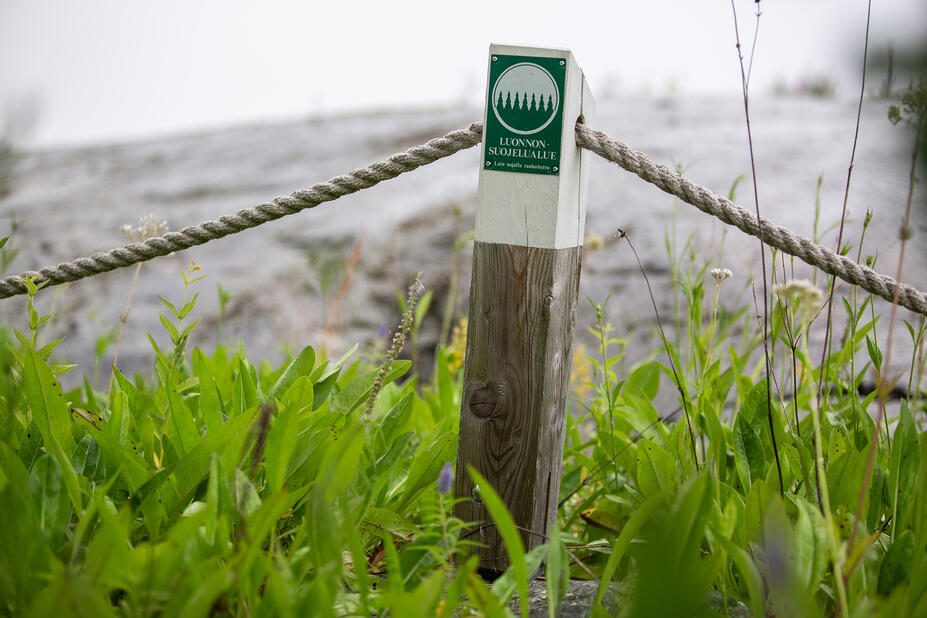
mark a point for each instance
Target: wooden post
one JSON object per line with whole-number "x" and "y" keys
{"x": 523, "y": 293}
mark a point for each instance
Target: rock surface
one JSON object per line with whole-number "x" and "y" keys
{"x": 285, "y": 276}
{"x": 578, "y": 601}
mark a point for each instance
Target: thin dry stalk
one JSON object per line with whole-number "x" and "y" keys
{"x": 333, "y": 322}
{"x": 759, "y": 222}
{"x": 825, "y": 350}
{"x": 884, "y": 383}
{"x": 676, "y": 376}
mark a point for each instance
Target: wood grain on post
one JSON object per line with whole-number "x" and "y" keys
{"x": 523, "y": 293}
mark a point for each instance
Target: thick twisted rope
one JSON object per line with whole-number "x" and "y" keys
{"x": 616, "y": 152}
{"x": 252, "y": 217}
{"x": 774, "y": 235}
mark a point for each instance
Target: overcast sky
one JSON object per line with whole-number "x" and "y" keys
{"x": 102, "y": 70}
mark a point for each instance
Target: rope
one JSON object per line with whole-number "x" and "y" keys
{"x": 252, "y": 217}
{"x": 601, "y": 144}
{"x": 774, "y": 235}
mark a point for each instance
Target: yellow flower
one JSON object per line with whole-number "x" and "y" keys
{"x": 457, "y": 347}
{"x": 581, "y": 372}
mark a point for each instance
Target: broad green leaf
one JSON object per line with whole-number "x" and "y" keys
{"x": 46, "y": 400}
{"x": 811, "y": 546}
{"x": 341, "y": 462}
{"x": 357, "y": 391}
{"x": 355, "y": 544}
{"x": 387, "y": 521}
{"x": 426, "y": 466}
{"x": 484, "y": 600}
{"x": 310, "y": 448}
{"x": 876, "y": 491}
{"x": 53, "y": 419}
{"x": 300, "y": 394}
{"x": 396, "y": 449}
{"x": 211, "y": 404}
{"x": 903, "y": 467}
{"x": 505, "y": 525}
{"x": 281, "y": 444}
{"x": 656, "y": 469}
{"x": 86, "y": 459}
{"x": 133, "y": 471}
{"x": 396, "y": 419}
{"x": 691, "y": 512}
{"x": 246, "y": 396}
{"x": 393, "y": 565}
{"x": 602, "y": 518}
{"x": 69, "y": 596}
{"x": 446, "y": 388}
{"x": 895, "y": 569}
{"x": 644, "y": 379}
{"x": 755, "y": 507}
{"x": 109, "y": 560}
{"x": 300, "y": 366}
{"x": 844, "y": 476}
{"x": 170, "y": 306}
{"x": 875, "y": 353}
{"x": 135, "y": 399}
{"x": 201, "y": 602}
{"x": 640, "y": 516}
{"x": 118, "y": 424}
{"x": 506, "y": 585}
{"x": 749, "y": 573}
{"x": 323, "y": 387}
{"x": 748, "y": 452}
{"x": 186, "y": 434}
{"x": 185, "y": 310}
{"x": 193, "y": 468}
{"x": 755, "y": 406}
{"x": 52, "y": 506}
{"x": 247, "y": 499}
{"x": 558, "y": 572}
{"x": 169, "y": 327}
{"x": 30, "y": 444}
{"x": 24, "y": 549}
{"x": 262, "y": 520}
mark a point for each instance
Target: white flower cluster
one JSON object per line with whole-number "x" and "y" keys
{"x": 720, "y": 274}
{"x": 148, "y": 227}
{"x": 802, "y": 295}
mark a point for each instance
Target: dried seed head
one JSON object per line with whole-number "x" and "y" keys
{"x": 147, "y": 227}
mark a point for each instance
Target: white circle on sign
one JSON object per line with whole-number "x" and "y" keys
{"x": 525, "y": 98}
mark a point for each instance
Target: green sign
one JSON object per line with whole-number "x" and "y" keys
{"x": 525, "y": 114}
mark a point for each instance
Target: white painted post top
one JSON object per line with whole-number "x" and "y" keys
{"x": 533, "y": 177}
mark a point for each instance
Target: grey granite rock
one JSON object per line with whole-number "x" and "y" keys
{"x": 580, "y": 596}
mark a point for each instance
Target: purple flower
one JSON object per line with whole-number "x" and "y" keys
{"x": 417, "y": 289}
{"x": 383, "y": 332}
{"x": 446, "y": 478}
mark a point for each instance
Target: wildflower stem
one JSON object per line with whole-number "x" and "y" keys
{"x": 122, "y": 326}
{"x": 399, "y": 339}
{"x": 884, "y": 383}
{"x": 828, "y": 324}
{"x": 682, "y": 393}
{"x": 759, "y": 222}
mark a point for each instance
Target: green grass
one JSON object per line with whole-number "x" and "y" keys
{"x": 218, "y": 485}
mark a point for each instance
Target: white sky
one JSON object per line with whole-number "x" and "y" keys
{"x": 103, "y": 70}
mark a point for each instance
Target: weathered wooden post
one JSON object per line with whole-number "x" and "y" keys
{"x": 523, "y": 292}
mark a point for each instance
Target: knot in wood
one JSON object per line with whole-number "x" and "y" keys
{"x": 483, "y": 402}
